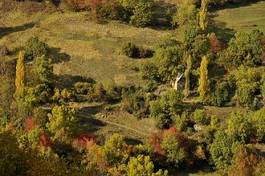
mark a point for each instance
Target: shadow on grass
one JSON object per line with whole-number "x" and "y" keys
{"x": 86, "y": 119}
{"x": 57, "y": 56}
{"x": 68, "y": 81}
{"x": 234, "y": 5}
{"x": 7, "y": 30}
{"x": 132, "y": 141}
{"x": 220, "y": 29}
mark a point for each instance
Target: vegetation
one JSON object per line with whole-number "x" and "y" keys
{"x": 73, "y": 102}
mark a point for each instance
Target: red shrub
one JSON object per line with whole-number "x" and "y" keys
{"x": 216, "y": 45}
{"x": 83, "y": 141}
{"x": 44, "y": 140}
{"x": 29, "y": 124}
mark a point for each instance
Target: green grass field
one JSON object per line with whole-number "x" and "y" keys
{"x": 245, "y": 18}
{"x": 93, "y": 48}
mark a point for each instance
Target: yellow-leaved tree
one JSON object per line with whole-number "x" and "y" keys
{"x": 203, "y": 21}
{"x": 187, "y": 75}
{"x": 203, "y": 81}
{"x": 20, "y": 72}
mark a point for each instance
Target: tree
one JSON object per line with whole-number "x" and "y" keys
{"x": 258, "y": 121}
{"x": 62, "y": 122}
{"x": 166, "y": 107}
{"x": 142, "y": 13}
{"x": 244, "y": 49}
{"x": 186, "y": 13}
{"x": 203, "y": 81}
{"x": 35, "y": 48}
{"x": 187, "y": 75}
{"x": 221, "y": 150}
{"x": 203, "y": 21}
{"x": 239, "y": 127}
{"x": 12, "y": 161}
{"x": 142, "y": 165}
{"x": 243, "y": 163}
{"x": 200, "y": 117}
{"x": 114, "y": 150}
{"x": 247, "y": 83}
{"x": 172, "y": 148}
{"x": 20, "y": 72}
{"x": 167, "y": 59}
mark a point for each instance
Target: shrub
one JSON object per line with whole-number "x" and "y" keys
{"x": 200, "y": 117}
{"x": 133, "y": 51}
{"x": 130, "y": 50}
{"x": 142, "y": 13}
{"x": 222, "y": 93}
{"x": 83, "y": 88}
{"x": 35, "y": 48}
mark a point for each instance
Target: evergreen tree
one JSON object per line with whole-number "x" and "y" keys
{"x": 203, "y": 81}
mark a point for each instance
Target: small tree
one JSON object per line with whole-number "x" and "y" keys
{"x": 62, "y": 122}
{"x": 203, "y": 81}
{"x": 142, "y": 165}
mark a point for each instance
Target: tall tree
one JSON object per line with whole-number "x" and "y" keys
{"x": 187, "y": 76}
{"x": 203, "y": 81}
{"x": 203, "y": 22}
{"x": 20, "y": 72}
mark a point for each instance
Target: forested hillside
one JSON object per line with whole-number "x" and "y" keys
{"x": 132, "y": 87}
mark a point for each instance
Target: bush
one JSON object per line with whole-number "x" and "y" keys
{"x": 130, "y": 50}
{"x": 136, "y": 103}
{"x": 222, "y": 93}
{"x": 83, "y": 88}
{"x": 35, "y": 48}
{"x": 142, "y": 13}
{"x": 133, "y": 51}
{"x": 200, "y": 117}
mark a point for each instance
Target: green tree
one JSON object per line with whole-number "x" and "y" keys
{"x": 142, "y": 165}
{"x": 244, "y": 49}
{"x": 173, "y": 150}
{"x": 142, "y": 13}
{"x": 166, "y": 107}
{"x": 247, "y": 83}
{"x": 221, "y": 150}
{"x": 167, "y": 59}
{"x": 259, "y": 123}
{"x": 186, "y": 13}
{"x": 62, "y": 122}
{"x": 12, "y": 159}
{"x": 114, "y": 150}
{"x": 35, "y": 48}
{"x": 200, "y": 117}
{"x": 239, "y": 127}
{"x": 203, "y": 81}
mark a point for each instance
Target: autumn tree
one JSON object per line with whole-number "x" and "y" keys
{"x": 203, "y": 22}
{"x": 187, "y": 75}
{"x": 20, "y": 72}
{"x": 203, "y": 81}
